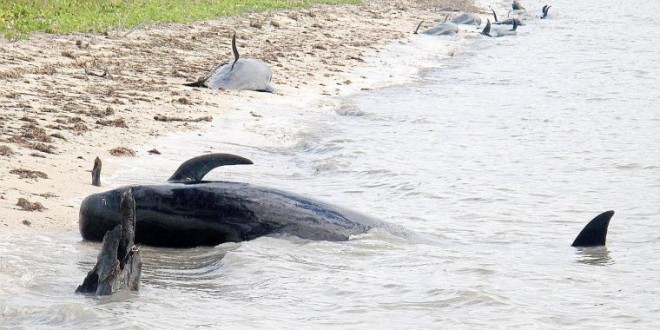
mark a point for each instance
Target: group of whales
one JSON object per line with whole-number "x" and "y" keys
{"x": 188, "y": 211}
{"x": 518, "y": 12}
{"x": 255, "y": 75}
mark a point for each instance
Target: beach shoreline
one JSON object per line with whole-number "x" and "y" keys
{"x": 68, "y": 99}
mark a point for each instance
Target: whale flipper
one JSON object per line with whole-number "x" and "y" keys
{"x": 194, "y": 169}
{"x": 595, "y": 232}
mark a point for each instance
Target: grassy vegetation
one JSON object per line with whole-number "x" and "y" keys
{"x": 19, "y": 18}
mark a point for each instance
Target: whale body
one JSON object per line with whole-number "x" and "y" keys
{"x": 242, "y": 74}
{"x": 187, "y": 211}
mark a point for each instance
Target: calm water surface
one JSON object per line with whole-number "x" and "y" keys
{"x": 499, "y": 155}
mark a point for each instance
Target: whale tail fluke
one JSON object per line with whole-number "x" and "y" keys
{"x": 544, "y": 11}
{"x": 486, "y": 30}
{"x": 194, "y": 169}
{"x": 595, "y": 232}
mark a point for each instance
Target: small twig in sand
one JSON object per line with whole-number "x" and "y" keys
{"x": 105, "y": 74}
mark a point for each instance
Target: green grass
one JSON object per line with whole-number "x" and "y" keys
{"x": 19, "y": 18}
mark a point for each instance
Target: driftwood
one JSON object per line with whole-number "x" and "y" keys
{"x": 118, "y": 265}
{"x": 96, "y": 172}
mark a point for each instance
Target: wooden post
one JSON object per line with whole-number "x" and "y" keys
{"x": 96, "y": 172}
{"x": 118, "y": 265}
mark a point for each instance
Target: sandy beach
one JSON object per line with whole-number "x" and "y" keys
{"x": 64, "y": 100}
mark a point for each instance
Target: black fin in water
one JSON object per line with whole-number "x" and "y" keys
{"x": 234, "y": 50}
{"x": 486, "y": 30}
{"x": 545, "y": 11}
{"x": 494, "y": 15}
{"x": 194, "y": 169}
{"x": 595, "y": 232}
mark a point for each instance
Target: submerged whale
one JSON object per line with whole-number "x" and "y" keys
{"x": 508, "y": 21}
{"x": 440, "y": 29}
{"x": 492, "y": 31}
{"x": 187, "y": 211}
{"x": 595, "y": 232}
{"x": 468, "y": 19}
{"x": 242, "y": 74}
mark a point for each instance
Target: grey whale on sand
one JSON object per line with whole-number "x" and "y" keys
{"x": 242, "y": 74}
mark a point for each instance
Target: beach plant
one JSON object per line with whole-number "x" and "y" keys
{"x": 20, "y": 18}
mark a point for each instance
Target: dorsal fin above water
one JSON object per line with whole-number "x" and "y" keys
{"x": 194, "y": 169}
{"x": 544, "y": 11}
{"x": 595, "y": 232}
{"x": 486, "y": 30}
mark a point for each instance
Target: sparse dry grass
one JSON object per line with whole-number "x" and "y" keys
{"x": 29, "y": 174}
{"x": 122, "y": 152}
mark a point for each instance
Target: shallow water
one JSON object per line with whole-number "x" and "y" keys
{"x": 499, "y": 154}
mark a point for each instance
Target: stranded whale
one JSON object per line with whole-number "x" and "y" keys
{"x": 188, "y": 212}
{"x": 439, "y": 29}
{"x": 242, "y": 74}
{"x": 492, "y": 31}
{"x": 468, "y": 19}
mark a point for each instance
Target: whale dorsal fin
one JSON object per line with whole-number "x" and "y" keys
{"x": 486, "y": 30}
{"x": 234, "y": 50}
{"x": 494, "y": 14}
{"x": 418, "y": 25}
{"x": 595, "y": 232}
{"x": 194, "y": 169}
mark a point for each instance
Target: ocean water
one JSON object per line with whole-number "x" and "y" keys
{"x": 499, "y": 154}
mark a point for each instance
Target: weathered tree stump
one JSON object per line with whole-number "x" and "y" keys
{"x": 96, "y": 172}
{"x": 118, "y": 265}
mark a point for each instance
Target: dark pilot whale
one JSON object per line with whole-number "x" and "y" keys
{"x": 187, "y": 211}
{"x": 595, "y": 232}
